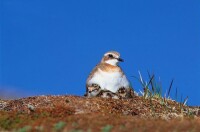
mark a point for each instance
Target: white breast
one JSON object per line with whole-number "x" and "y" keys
{"x": 109, "y": 80}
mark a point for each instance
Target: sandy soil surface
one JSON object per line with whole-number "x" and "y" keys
{"x": 74, "y": 113}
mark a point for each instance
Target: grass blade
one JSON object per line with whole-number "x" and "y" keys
{"x": 141, "y": 77}
{"x": 169, "y": 90}
{"x": 185, "y": 100}
{"x": 176, "y": 94}
{"x": 150, "y": 82}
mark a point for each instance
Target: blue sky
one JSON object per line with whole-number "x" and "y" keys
{"x": 51, "y": 47}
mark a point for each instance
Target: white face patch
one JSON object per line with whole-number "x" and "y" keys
{"x": 116, "y": 55}
{"x": 113, "y": 62}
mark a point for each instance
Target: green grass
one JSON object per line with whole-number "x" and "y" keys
{"x": 7, "y": 122}
{"x": 24, "y": 129}
{"x": 153, "y": 89}
{"x": 59, "y": 126}
{"x": 107, "y": 128}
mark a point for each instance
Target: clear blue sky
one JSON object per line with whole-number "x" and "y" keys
{"x": 50, "y": 47}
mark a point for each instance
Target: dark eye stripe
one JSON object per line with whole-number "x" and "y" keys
{"x": 111, "y": 56}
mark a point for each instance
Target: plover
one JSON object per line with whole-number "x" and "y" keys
{"x": 108, "y": 80}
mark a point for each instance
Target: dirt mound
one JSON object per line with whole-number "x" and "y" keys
{"x": 66, "y": 113}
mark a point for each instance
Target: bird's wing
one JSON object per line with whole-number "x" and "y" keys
{"x": 91, "y": 76}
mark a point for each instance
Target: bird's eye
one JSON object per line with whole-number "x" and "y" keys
{"x": 111, "y": 56}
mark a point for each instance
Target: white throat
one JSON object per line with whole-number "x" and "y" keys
{"x": 113, "y": 62}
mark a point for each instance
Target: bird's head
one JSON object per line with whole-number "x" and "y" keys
{"x": 112, "y": 58}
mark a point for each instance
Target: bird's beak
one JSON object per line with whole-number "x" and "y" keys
{"x": 120, "y": 59}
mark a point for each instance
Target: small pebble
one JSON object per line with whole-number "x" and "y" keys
{"x": 31, "y": 107}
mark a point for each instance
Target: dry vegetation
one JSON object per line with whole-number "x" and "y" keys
{"x": 73, "y": 113}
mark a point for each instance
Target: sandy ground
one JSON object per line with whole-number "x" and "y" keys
{"x": 74, "y": 113}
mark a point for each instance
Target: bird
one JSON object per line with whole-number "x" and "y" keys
{"x": 108, "y": 80}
